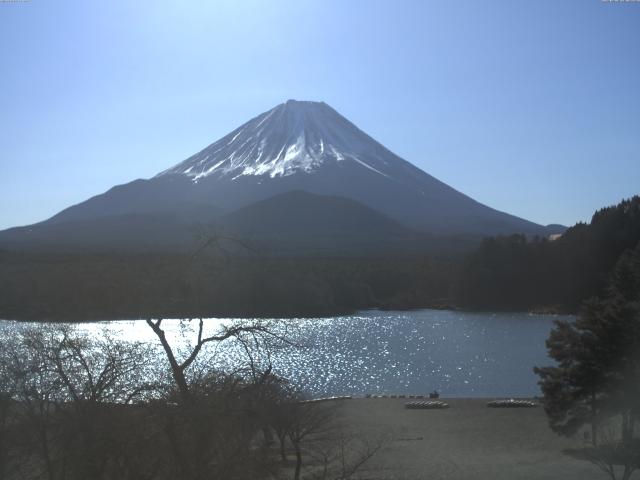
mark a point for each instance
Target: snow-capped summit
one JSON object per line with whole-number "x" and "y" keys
{"x": 295, "y": 136}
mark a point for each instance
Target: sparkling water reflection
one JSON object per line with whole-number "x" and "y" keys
{"x": 461, "y": 354}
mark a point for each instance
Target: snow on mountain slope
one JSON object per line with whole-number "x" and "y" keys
{"x": 294, "y": 137}
{"x": 300, "y": 145}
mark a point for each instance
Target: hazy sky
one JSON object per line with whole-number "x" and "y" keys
{"x": 531, "y": 107}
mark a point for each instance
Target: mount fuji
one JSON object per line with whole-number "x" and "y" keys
{"x": 298, "y": 171}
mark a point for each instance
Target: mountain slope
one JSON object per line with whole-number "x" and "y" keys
{"x": 118, "y": 232}
{"x": 302, "y": 222}
{"x": 296, "y": 146}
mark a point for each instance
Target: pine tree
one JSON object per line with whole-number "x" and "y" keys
{"x": 597, "y": 375}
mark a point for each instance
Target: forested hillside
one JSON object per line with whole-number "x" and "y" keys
{"x": 503, "y": 273}
{"x": 517, "y": 273}
{"x": 80, "y": 287}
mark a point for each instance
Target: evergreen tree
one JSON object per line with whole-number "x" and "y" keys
{"x": 597, "y": 375}
{"x": 516, "y": 273}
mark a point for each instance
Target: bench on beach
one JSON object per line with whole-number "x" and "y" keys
{"x": 511, "y": 403}
{"x": 430, "y": 405}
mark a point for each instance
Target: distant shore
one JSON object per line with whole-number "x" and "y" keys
{"x": 289, "y": 315}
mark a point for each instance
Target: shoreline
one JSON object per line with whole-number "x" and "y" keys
{"x": 342, "y": 313}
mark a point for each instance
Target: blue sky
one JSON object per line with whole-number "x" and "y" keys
{"x": 531, "y": 107}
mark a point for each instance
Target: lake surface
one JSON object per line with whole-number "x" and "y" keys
{"x": 460, "y": 354}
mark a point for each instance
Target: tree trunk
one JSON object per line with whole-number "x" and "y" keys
{"x": 176, "y": 448}
{"x": 594, "y": 423}
{"x": 283, "y": 455}
{"x": 627, "y": 428}
{"x": 298, "y": 461}
{"x": 627, "y": 439}
{"x": 268, "y": 436}
{"x": 44, "y": 442}
{"x": 176, "y": 370}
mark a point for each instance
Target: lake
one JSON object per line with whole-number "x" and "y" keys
{"x": 460, "y": 354}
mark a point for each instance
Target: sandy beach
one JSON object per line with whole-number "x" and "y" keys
{"x": 466, "y": 441}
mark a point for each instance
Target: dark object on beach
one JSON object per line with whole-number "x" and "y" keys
{"x": 511, "y": 403}
{"x": 434, "y": 394}
{"x": 426, "y": 405}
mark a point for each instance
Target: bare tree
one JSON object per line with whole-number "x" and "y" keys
{"x": 321, "y": 442}
{"x": 308, "y": 419}
{"x": 68, "y": 394}
{"x": 212, "y": 417}
{"x": 344, "y": 456}
{"x": 259, "y": 330}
